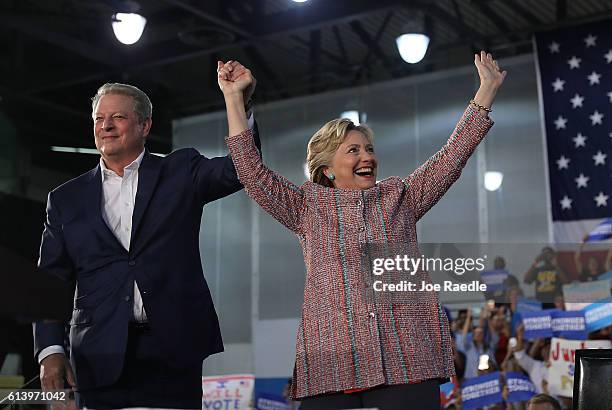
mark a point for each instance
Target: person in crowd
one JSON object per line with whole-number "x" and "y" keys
{"x": 351, "y": 353}
{"x": 593, "y": 268}
{"x": 474, "y": 345}
{"x": 125, "y": 237}
{"x": 548, "y": 276}
{"x": 543, "y": 402}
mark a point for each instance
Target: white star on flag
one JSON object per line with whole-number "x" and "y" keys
{"x": 577, "y": 100}
{"x": 579, "y": 140}
{"x": 560, "y": 122}
{"x": 558, "y": 84}
{"x": 566, "y": 203}
{"x": 594, "y": 78}
{"x": 581, "y": 181}
{"x": 601, "y": 199}
{"x": 554, "y": 47}
{"x": 596, "y": 117}
{"x": 590, "y": 40}
{"x": 563, "y": 162}
{"x": 608, "y": 56}
{"x": 574, "y": 62}
{"x": 600, "y": 158}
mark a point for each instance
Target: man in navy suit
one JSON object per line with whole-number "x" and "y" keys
{"x": 125, "y": 236}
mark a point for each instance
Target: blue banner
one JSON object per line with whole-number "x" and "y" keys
{"x": 537, "y": 324}
{"x": 520, "y": 387}
{"x": 602, "y": 232}
{"x": 481, "y": 391}
{"x": 267, "y": 401}
{"x": 528, "y": 305}
{"x": 598, "y": 315}
{"x": 494, "y": 279}
{"x": 606, "y": 275}
{"x": 569, "y": 325}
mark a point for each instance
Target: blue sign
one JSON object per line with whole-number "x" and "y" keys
{"x": 528, "y": 305}
{"x": 569, "y": 325}
{"x": 494, "y": 279}
{"x": 520, "y": 387}
{"x": 598, "y": 315}
{"x": 538, "y": 324}
{"x": 267, "y": 401}
{"x": 602, "y": 232}
{"x": 481, "y": 391}
{"x": 605, "y": 275}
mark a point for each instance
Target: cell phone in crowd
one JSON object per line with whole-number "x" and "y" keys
{"x": 512, "y": 342}
{"x": 483, "y": 363}
{"x": 491, "y": 304}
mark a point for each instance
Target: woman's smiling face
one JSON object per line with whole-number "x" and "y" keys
{"x": 354, "y": 163}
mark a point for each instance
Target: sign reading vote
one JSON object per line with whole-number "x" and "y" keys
{"x": 232, "y": 392}
{"x": 481, "y": 391}
{"x": 520, "y": 387}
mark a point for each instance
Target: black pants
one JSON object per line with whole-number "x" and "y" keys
{"x": 418, "y": 396}
{"x": 147, "y": 380}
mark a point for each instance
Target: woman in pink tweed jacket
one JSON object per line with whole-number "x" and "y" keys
{"x": 351, "y": 351}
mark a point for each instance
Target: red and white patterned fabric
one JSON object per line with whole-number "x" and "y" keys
{"x": 346, "y": 341}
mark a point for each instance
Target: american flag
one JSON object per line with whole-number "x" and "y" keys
{"x": 575, "y": 74}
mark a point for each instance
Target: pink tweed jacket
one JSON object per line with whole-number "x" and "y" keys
{"x": 344, "y": 340}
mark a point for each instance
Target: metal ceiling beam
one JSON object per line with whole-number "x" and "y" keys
{"x": 379, "y": 33}
{"x": 499, "y": 22}
{"x": 561, "y": 10}
{"x": 524, "y": 13}
{"x": 372, "y": 44}
{"x": 89, "y": 51}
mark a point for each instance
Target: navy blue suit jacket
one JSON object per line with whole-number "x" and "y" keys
{"x": 164, "y": 260}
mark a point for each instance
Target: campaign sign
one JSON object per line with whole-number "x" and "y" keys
{"x": 481, "y": 391}
{"x": 232, "y": 392}
{"x": 520, "y": 387}
{"x": 538, "y": 324}
{"x": 494, "y": 279}
{"x": 577, "y": 296}
{"x": 268, "y": 401}
{"x": 528, "y": 305}
{"x": 561, "y": 370}
{"x": 569, "y": 325}
{"x": 598, "y": 315}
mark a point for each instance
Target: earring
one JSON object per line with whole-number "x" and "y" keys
{"x": 331, "y": 176}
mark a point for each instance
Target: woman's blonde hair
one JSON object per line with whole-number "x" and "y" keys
{"x": 324, "y": 144}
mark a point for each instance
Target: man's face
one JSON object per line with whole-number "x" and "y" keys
{"x": 117, "y": 131}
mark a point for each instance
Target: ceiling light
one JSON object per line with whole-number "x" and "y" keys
{"x": 412, "y": 46}
{"x": 300, "y": 1}
{"x": 493, "y": 180}
{"x": 355, "y": 116}
{"x": 128, "y": 27}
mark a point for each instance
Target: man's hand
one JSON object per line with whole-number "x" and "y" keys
{"x": 53, "y": 370}
{"x": 233, "y": 77}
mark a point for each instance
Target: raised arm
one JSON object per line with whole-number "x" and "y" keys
{"x": 430, "y": 181}
{"x": 275, "y": 194}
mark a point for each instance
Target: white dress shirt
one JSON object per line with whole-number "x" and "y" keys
{"x": 118, "y": 199}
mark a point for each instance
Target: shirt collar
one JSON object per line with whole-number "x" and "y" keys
{"x": 134, "y": 165}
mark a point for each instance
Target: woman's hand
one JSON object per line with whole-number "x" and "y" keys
{"x": 491, "y": 76}
{"x": 234, "y": 78}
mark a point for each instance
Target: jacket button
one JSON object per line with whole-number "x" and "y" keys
{"x": 372, "y": 315}
{"x": 132, "y": 263}
{"x": 361, "y": 229}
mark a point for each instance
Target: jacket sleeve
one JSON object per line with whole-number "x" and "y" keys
{"x": 429, "y": 182}
{"x": 277, "y": 195}
{"x": 215, "y": 178}
{"x": 53, "y": 260}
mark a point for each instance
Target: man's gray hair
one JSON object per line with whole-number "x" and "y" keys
{"x": 142, "y": 104}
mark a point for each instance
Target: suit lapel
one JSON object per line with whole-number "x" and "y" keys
{"x": 148, "y": 173}
{"x": 93, "y": 198}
